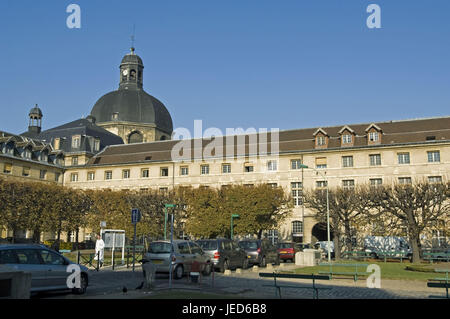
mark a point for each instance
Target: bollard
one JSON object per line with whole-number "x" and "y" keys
{"x": 255, "y": 268}
{"x": 238, "y": 271}
{"x": 227, "y": 272}
{"x": 269, "y": 266}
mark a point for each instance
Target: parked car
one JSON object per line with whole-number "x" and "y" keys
{"x": 184, "y": 254}
{"x": 260, "y": 251}
{"x": 301, "y": 246}
{"x": 48, "y": 268}
{"x": 286, "y": 251}
{"x": 323, "y": 247}
{"x": 224, "y": 253}
{"x": 377, "y": 245}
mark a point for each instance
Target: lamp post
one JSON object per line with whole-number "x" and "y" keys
{"x": 171, "y": 241}
{"x": 328, "y": 211}
{"x": 233, "y": 216}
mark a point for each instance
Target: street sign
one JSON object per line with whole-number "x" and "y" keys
{"x": 135, "y": 216}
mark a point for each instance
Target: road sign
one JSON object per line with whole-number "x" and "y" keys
{"x": 135, "y": 216}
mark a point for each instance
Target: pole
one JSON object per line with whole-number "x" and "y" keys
{"x": 165, "y": 223}
{"x": 112, "y": 255}
{"x": 134, "y": 245}
{"x": 171, "y": 254}
{"x": 303, "y": 208}
{"x": 231, "y": 227}
{"x": 328, "y": 225}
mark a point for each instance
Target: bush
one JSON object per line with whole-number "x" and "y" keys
{"x": 419, "y": 268}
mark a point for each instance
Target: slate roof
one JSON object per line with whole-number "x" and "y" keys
{"x": 300, "y": 140}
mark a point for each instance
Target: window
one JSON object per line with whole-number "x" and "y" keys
{"x": 26, "y": 171}
{"x": 226, "y": 168}
{"x": 373, "y": 136}
{"x": 348, "y": 184}
{"x": 321, "y": 162}
{"x": 375, "y": 182}
{"x": 204, "y": 169}
{"x": 403, "y": 158}
{"x": 57, "y": 175}
{"x": 248, "y": 168}
{"x": 145, "y": 173}
{"x": 184, "y": 171}
{"x": 297, "y": 228}
{"x": 74, "y": 160}
{"x": 347, "y": 161}
{"x": 108, "y": 175}
{"x": 164, "y": 171}
{"x": 434, "y": 157}
{"x": 321, "y": 184}
{"x": 76, "y": 141}
{"x": 320, "y": 140}
{"x": 50, "y": 258}
{"x": 115, "y": 116}
{"x": 27, "y": 153}
{"x": 126, "y": 174}
{"x": 297, "y": 193}
{"x": 272, "y": 165}
{"x": 42, "y": 174}
{"x": 164, "y": 190}
{"x": 183, "y": 248}
{"x": 375, "y": 159}
{"x": 74, "y": 177}
{"x": 273, "y": 185}
{"x": 91, "y": 176}
{"x": 434, "y": 179}
{"x": 405, "y": 180}
{"x": 44, "y": 157}
{"x": 346, "y": 139}
{"x": 296, "y": 164}
{"x": 7, "y": 169}
{"x": 28, "y": 256}
{"x": 57, "y": 143}
{"x": 96, "y": 145}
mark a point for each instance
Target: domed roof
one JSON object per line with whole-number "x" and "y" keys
{"x": 133, "y": 105}
{"x": 36, "y": 111}
{"x": 132, "y": 58}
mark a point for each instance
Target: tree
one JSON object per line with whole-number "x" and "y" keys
{"x": 346, "y": 212}
{"x": 416, "y": 207}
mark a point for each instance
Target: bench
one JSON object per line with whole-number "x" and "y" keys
{"x": 442, "y": 282}
{"x": 436, "y": 257}
{"x": 357, "y": 255}
{"x": 295, "y": 276}
{"x": 393, "y": 255}
{"x": 354, "y": 273}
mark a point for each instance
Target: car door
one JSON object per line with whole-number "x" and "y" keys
{"x": 57, "y": 265}
{"x": 30, "y": 261}
{"x": 238, "y": 254}
{"x": 197, "y": 254}
{"x": 185, "y": 255}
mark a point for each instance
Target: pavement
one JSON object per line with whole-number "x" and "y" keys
{"x": 110, "y": 284}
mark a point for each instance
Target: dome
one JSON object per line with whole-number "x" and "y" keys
{"x": 133, "y": 105}
{"x": 36, "y": 111}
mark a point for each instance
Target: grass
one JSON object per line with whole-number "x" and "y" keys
{"x": 389, "y": 270}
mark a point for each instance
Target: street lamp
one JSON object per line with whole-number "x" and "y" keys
{"x": 165, "y": 218}
{"x": 328, "y": 210}
{"x": 171, "y": 241}
{"x": 233, "y": 216}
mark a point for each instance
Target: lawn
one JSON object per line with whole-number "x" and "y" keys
{"x": 389, "y": 270}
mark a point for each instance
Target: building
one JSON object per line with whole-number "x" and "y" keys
{"x": 347, "y": 155}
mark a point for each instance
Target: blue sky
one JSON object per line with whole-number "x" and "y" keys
{"x": 255, "y": 63}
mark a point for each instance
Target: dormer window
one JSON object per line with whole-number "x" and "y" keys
{"x": 321, "y": 140}
{"x": 96, "y": 145}
{"x": 27, "y": 153}
{"x": 373, "y": 136}
{"x": 44, "y": 157}
{"x": 347, "y": 139}
{"x": 76, "y": 141}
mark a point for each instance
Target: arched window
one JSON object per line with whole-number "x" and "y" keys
{"x": 135, "y": 137}
{"x": 132, "y": 74}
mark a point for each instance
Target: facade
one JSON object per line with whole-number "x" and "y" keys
{"x": 349, "y": 155}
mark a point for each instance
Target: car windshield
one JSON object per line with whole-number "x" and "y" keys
{"x": 208, "y": 244}
{"x": 248, "y": 244}
{"x": 159, "y": 248}
{"x": 285, "y": 245}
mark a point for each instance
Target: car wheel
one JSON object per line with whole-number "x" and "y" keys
{"x": 83, "y": 285}
{"x": 179, "y": 271}
{"x": 263, "y": 262}
{"x": 245, "y": 264}
{"x": 225, "y": 265}
{"x": 207, "y": 270}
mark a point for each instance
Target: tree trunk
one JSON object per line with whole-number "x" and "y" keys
{"x": 37, "y": 236}
{"x": 337, "y": 247}
{"x": 415, "y": 246}
{"x": 348, "y": 236}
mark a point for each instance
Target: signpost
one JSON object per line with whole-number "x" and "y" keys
{"x": 135, "y": 218}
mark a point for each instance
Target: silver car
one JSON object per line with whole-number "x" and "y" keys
{"x": 49, "y": 269}
{"x": 185, "y": 256}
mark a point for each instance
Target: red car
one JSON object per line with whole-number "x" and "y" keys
{"x": 286, "y": 251}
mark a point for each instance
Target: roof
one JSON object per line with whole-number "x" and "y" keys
{"x": 133, "y": 105}
{"x": 82, "y": 127}
{"x": 299, "y": 140}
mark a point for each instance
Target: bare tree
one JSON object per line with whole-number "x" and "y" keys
{"x": 416, "y": 207}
